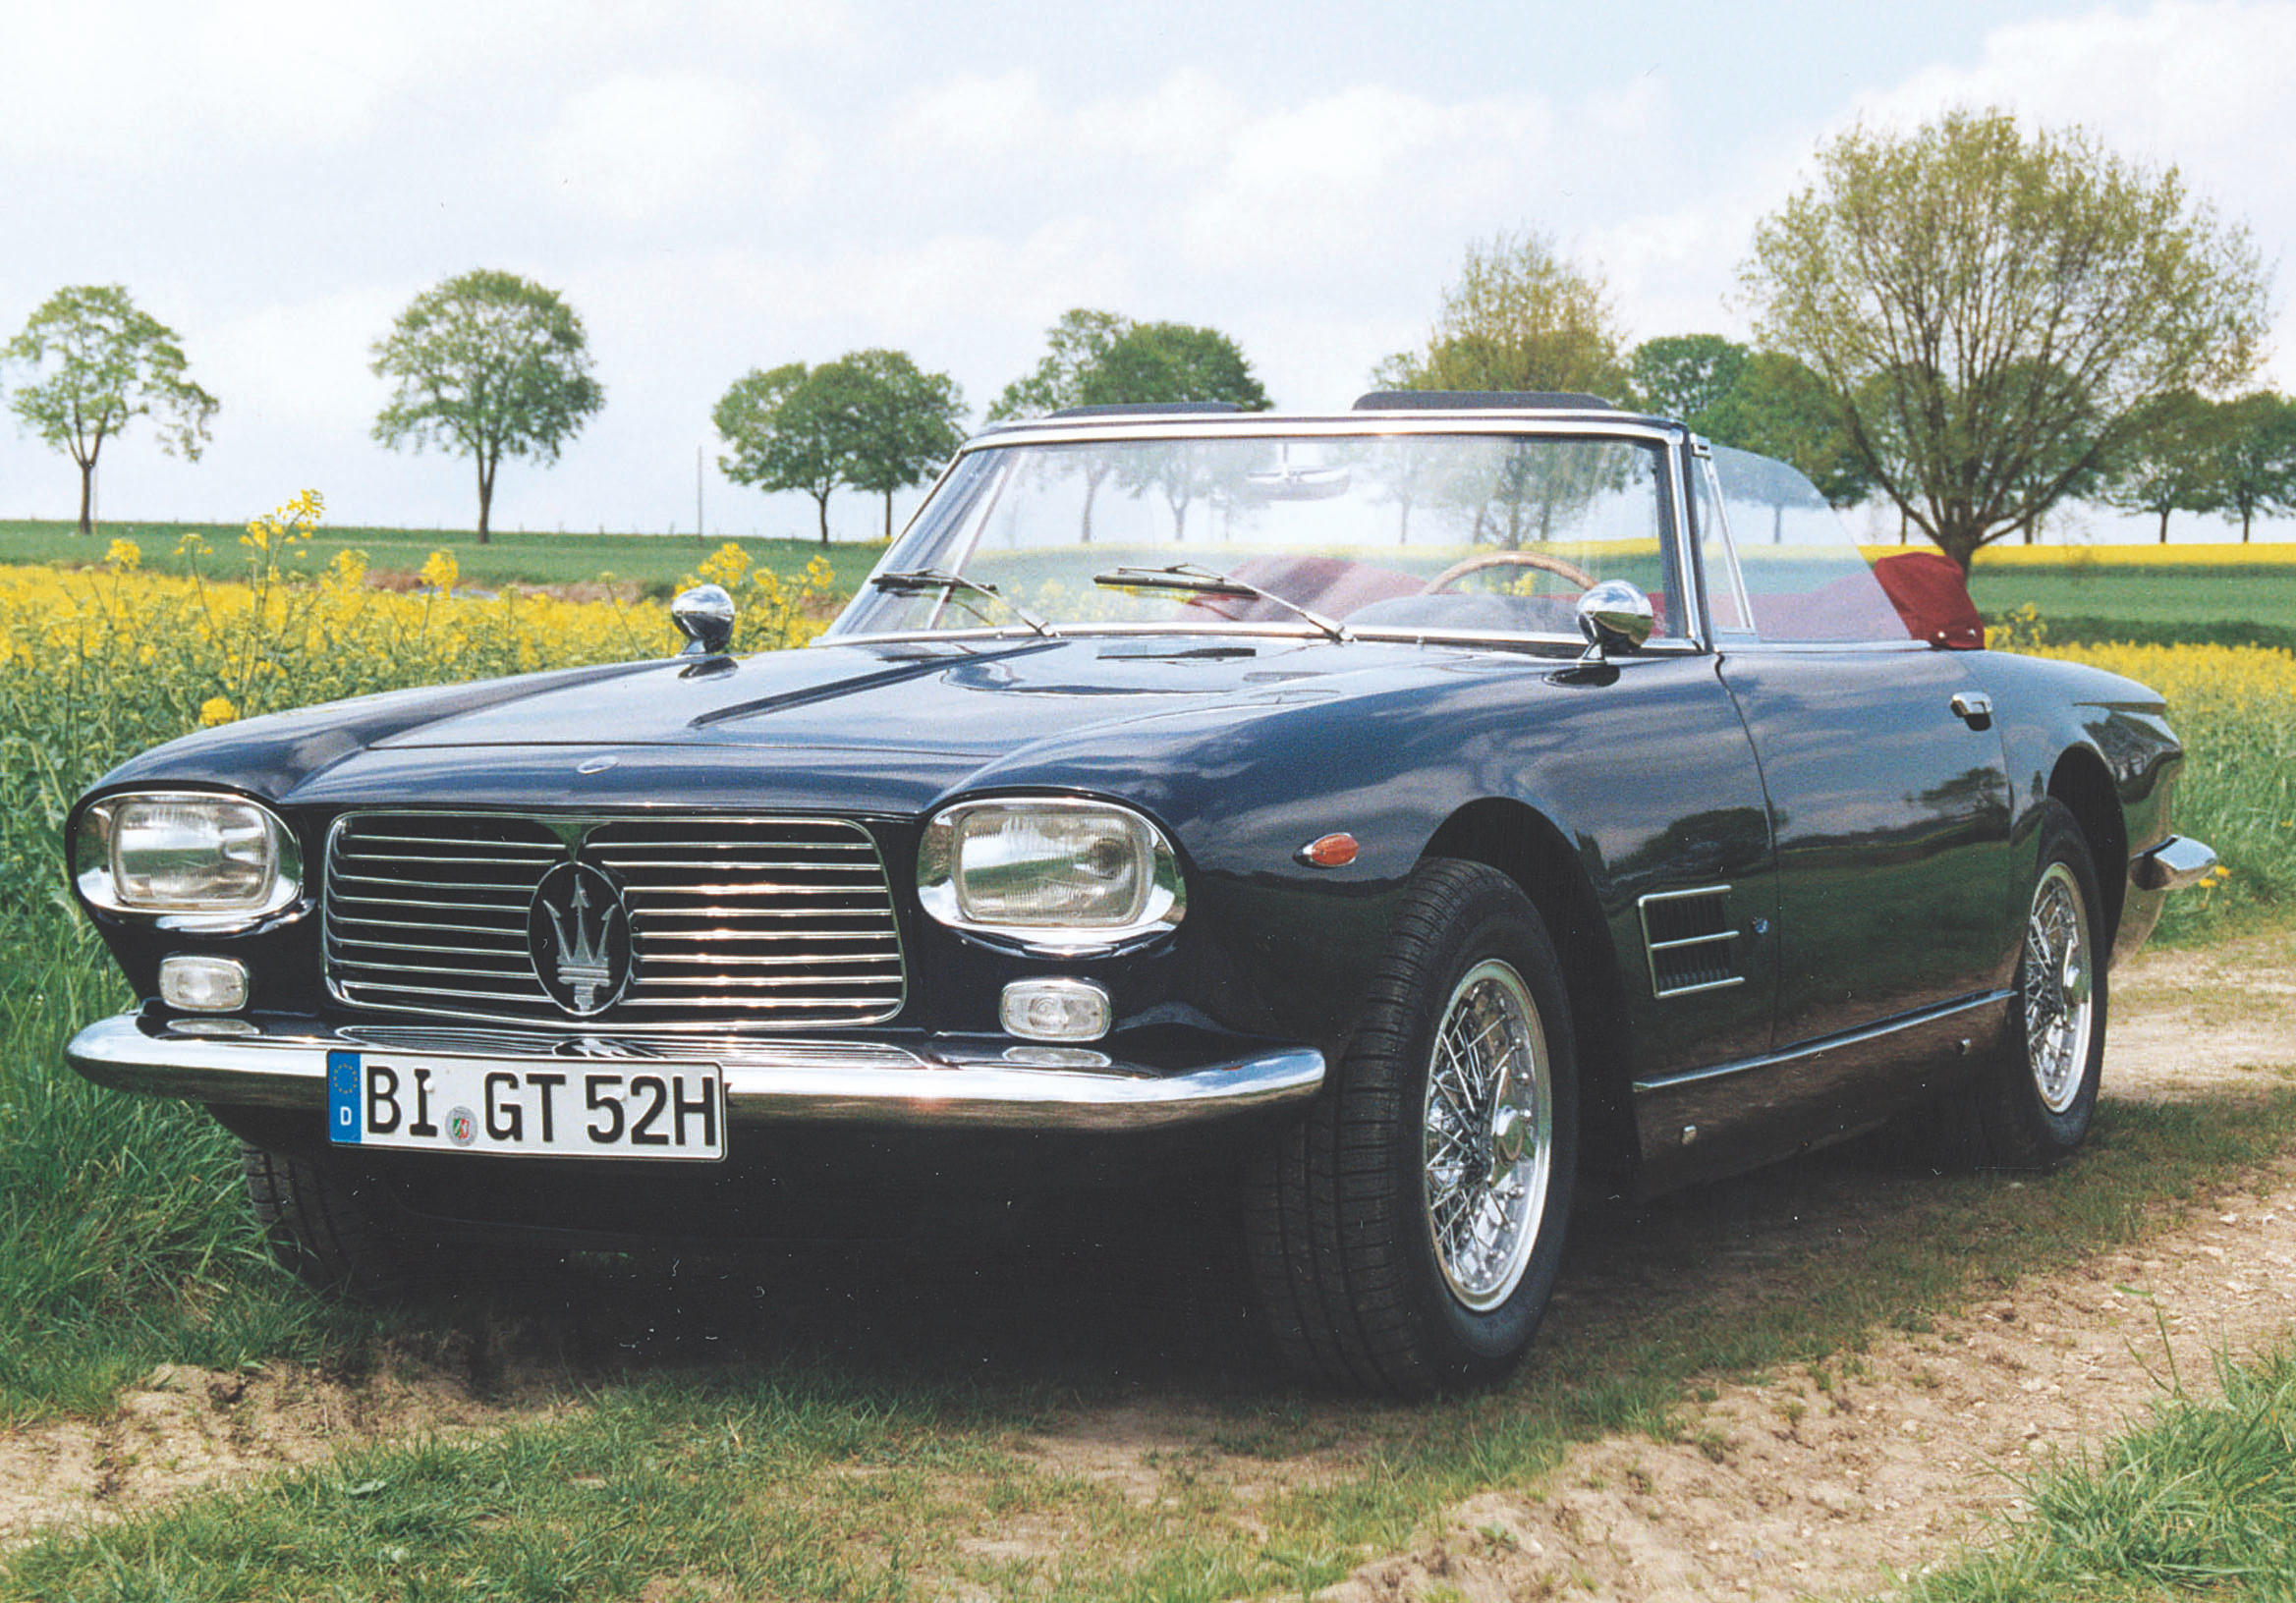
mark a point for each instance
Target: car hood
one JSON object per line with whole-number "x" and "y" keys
{"x": 882, "y": 729}
{"x": 977, "y": 700}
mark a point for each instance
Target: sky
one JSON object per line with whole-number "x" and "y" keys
{"x": 716, "y": 187}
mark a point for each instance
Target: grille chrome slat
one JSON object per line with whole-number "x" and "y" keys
{"x": 426, "y": 915}
{"x": 495, "y": 885}
{"x": 506, "y": 950}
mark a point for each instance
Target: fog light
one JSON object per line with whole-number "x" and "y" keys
{"x": 198, "y": 984}
{"x": 1055, "y": 1010}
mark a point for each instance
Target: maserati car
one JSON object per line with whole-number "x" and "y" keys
{"x": 1395, "y": 820}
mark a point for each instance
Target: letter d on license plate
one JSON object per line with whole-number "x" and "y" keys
{"x": 635, "y": 1108}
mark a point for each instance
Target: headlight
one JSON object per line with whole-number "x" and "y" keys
{"x": 201, "y": 857}
{"x": 1052, "y": 874}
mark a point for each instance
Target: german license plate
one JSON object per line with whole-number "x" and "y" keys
{"x": 578, "y": 1108}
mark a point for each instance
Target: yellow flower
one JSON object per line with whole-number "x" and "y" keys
{"x": 725, "y": 566}
{"x": 124, "y": 556}
{"x": 216, "y": 709}
{"x": 441, "y": 572}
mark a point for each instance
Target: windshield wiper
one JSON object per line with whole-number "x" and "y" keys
{"x": 1186, "y": 576}
{"x": 940, "y": 578}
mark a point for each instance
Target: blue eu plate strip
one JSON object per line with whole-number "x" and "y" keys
{"x": 343, "y": 1097}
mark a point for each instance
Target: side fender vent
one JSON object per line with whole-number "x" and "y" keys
{"x": 1692, "y": 943}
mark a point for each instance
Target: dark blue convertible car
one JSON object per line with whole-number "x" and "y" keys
{"x": 1398, "y": 814}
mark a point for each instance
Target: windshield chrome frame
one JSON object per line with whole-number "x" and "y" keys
{"x": 1671, "y": 437}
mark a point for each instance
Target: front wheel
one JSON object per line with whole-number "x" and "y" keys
{"x": 333, "y": 1230}
{"x": 1405, "y": 1234}
{"x": 2030, "y": 1108}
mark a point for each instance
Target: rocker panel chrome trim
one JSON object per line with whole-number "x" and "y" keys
{"x": 1827, "y": 1043}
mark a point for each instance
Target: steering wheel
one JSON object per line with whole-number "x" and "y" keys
{"x": 1509, "y": 559}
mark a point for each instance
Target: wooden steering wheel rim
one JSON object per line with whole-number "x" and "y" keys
{"x": 1509, "y": 559}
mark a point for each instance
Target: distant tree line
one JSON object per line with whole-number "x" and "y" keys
{"x": 1972, "y": 320}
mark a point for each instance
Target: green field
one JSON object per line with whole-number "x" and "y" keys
{"x": 654, "y": 562}
{"x": 2196, "y": 606}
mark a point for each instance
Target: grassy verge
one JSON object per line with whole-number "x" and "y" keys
{"x": 866, "y": 1434}
{"x": 2199, "y": 1502}
{"x": 655, "y": 563}
{"x": 123, "y": 1243}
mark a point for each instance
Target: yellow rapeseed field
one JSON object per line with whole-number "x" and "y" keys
{"x": 98, "y": 664}
{"x": 2235, "y": 709}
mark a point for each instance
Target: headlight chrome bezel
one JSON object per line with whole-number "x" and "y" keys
{"x": 97, "y": 872}
{"x": 1157, "y": 904}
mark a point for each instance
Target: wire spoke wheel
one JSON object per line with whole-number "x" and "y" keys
{"x": 1488, "y": 1144}
{"x": 2058, "y": 1000}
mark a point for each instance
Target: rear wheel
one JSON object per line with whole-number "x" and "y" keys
{"x": 1405, "y": 1234}
{"x": 2032, "y": 1107}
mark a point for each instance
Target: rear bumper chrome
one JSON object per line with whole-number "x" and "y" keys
{"x": 934, "y": 1084}
{"x": 2177, "y": 861}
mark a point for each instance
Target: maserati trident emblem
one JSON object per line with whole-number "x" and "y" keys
{"x": 578, "y": 931}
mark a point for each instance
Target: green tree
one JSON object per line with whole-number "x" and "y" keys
{"x": 1103, "y": 359}
{"x": 1994, "y": 312}
{"x": 2256, "y": 457}
{"x": 1150, "y": 364}
{"x": 1777, "y": 407}
{"x": 1100, "y": 359}
{"x": 487, "y": 365}
{"x": 791, "y": 429}
{"x": 905, "y": 422}
{"x": 1519, "y": 318}
{"x": 97, "y": 364}
{"x": 1685, "y": 376}
{"x": 2172, "y": 465}
{"x": 1074, "y": 347}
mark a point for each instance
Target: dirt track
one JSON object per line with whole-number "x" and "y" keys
{"x": 1807, "y": 1485}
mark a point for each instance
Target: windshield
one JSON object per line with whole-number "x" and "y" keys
{"x": 1425, "y": 533}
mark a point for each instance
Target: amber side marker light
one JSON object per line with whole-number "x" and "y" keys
{"x": 1332, "y": 852}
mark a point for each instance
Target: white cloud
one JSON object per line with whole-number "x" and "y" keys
{"x": 973, "y": 119}
{"x": 1366, "y": 171}
{"x": 639, "y": 148}
{"x": 300, "y": 363}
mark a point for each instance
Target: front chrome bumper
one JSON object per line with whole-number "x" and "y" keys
{"x": 974, "y": 1084}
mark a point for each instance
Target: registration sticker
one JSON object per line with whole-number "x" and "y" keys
{"x": 633, "y": 1108}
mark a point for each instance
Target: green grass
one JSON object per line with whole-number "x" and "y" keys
{"x": 123, "y": 1240}
{"x": 2202, "y": 606}
{"x": 2199, "y": 1502}
{"x": 655, "y": 563}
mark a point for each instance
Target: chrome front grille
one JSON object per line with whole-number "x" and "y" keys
{"x": 734, "y": 922}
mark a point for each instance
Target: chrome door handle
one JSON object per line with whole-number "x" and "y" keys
{"x": 1974, "y": 708}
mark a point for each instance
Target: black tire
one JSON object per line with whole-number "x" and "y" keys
{"x": 330, "y": 1232}
{"x": 1339, "y": 1212}
{"x": 2031, "y": 1107}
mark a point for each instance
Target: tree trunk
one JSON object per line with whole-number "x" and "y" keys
{"x": 2244, "y": 517}
{"x": 485, "y": 499}
{"x": 2163, "y": 525}
{"x": 821, "y": 503}
{"x": 888, "y": 517}
{"x": 87, "y": 496}
{"x": 1092, "y": 488}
